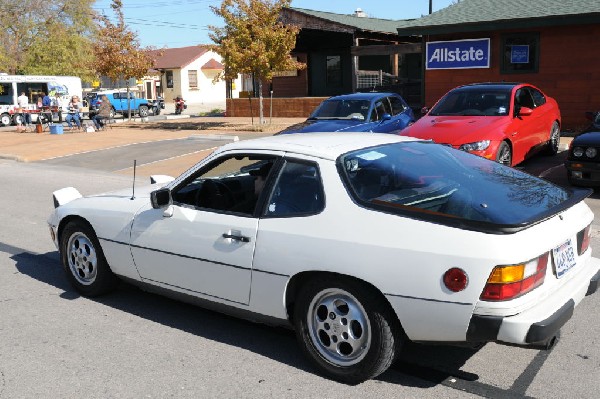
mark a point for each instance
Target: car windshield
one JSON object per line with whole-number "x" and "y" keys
{"x": 429, "y": 180}
{"x": 342, "y": 109}
{"x": 473, "y": 102}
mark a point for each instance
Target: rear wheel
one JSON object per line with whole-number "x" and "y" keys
{"x": 346, "y": 329}
{"x": 18, "y": 119}
{"x": 554, "y": 140}
{"x": 504, "y": 154}
{"x": 84, "y": 262}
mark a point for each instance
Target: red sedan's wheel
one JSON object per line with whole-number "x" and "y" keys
{"x": 504, "y": 154}
{"x": 554, "y": 140}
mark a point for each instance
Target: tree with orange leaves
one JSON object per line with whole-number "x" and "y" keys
{"x": 118, "y": 51}
{"x": 254, "y": 40}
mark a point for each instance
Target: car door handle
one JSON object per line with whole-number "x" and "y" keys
{"x": 236, "y": 237}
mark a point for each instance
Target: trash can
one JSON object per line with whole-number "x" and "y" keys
{"x": 56, "y": 129}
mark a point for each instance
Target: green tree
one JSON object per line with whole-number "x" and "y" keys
{"x": 118, "y": 51}
{"x": 254, "y": 40}
{"x": 47, "y": 37}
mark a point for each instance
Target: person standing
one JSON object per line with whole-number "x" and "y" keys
{"x": 57, "y": 103}
{"x": 73, "y": 115}
{"x": 103, "y": 113}
{"x": 23, "y": 102}
{"x": 46, "y": 101}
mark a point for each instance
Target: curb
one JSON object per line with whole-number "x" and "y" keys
{"x": 13, "y": 157}
{"x": 214, "y": 137}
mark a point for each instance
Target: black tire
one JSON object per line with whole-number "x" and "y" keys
{"x": 346, "y": 329}
{"x": 5, "y": 120}
{"x": 18, "y": 119}
{"x": 504, "y": 154}
{"x": 84, "y": 262}
{"x": 554, "y": 140}
{"x": 143, "y": 111}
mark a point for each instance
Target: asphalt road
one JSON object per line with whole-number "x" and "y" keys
{"x": 131, "y": 344}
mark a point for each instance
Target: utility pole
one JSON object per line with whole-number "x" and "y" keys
{"x": 430, "y": 6}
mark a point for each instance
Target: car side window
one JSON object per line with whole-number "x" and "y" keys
{"x": 397, "y": 105}
{"x": 230, "y": 184}
{"x": 298, "y": 191}
{"x": 538, "y": 97}
{"x": 381, "y": 107}
{"x": 523, "y": 99}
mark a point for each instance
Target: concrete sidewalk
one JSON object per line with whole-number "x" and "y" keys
{"x": 29, "y": 147}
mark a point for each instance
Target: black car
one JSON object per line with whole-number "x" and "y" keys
{"x": 583, "y": 160}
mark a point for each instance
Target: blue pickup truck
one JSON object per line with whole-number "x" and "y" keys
{"x": 119, "y": 103}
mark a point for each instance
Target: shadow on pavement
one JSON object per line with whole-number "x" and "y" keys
{"x": 419, "y": 366}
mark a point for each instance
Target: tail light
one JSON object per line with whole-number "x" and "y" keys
{"x": 583, "y": 240}
{"x": 511, "y": 281}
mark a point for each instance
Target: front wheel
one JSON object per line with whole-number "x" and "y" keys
{"x": 346, "y": 329}
{"x": 504, "y": 154}
{"x": 143, "y": 111}
{"x": 5, "y": 120}
{"x": 554, "y": 140}
{"x": 84, "y": 262}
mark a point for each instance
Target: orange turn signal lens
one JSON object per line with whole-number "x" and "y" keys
{"x": 507, "y": 274}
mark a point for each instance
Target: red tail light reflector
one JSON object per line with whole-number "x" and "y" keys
{"x": 455, "y": 279}
{"x": 511, "y": 281}
{"x": 583, "y": 240}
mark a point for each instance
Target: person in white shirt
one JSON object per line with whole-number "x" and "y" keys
{"x": 57, "y": 102}
{"x": 23, "y": 103}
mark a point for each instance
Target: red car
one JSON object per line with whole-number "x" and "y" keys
{"x": 506, "y": 122}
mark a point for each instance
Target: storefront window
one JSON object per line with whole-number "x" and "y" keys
{"x": 520, "y": 53}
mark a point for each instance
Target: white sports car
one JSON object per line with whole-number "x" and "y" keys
{"x": 360, "y": 242}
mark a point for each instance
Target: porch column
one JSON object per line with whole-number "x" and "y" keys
{"x": 355, "y": 68}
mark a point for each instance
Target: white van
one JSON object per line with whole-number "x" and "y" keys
{"x": 11, "y": 87}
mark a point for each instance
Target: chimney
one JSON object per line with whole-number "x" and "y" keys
{"x": 360, "y": 13}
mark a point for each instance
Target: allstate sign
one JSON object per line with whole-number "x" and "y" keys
{"x": 458, "y": 54}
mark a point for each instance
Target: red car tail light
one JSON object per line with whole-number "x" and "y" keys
{"x": 583, "y": 240}
{"x": 511, "y": 281}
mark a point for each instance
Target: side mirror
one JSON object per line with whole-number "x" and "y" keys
{"x": 161, "y": 198}
{"x": 386, "y": 117}
{"x": 525, "y": 111}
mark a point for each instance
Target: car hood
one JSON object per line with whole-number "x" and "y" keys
{"x": 456, "y": 130}
{"x": 588, "y": 139}
{"x": 328, "y": 125}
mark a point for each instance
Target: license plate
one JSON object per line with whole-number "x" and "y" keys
{"x": 564, "y": 258}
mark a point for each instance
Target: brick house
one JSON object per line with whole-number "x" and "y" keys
{"x": 559, "y": 39}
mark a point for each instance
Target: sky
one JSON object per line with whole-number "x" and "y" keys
{"x": 180, "y": 23}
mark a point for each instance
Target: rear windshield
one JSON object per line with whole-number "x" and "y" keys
{"x": 435, "y": 182}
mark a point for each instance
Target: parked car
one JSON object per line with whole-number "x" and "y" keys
{"x": 505, "y": 122}
{"x": 583, "y": 159}
{"x": 119, "y": 103}
{"x": 352, "y": 239}
{"x": 358, "y": 112}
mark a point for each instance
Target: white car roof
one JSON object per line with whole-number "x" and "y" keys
{"x": 322, "y": 145}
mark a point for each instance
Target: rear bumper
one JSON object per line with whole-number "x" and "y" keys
{"x": 528, "y": 327}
